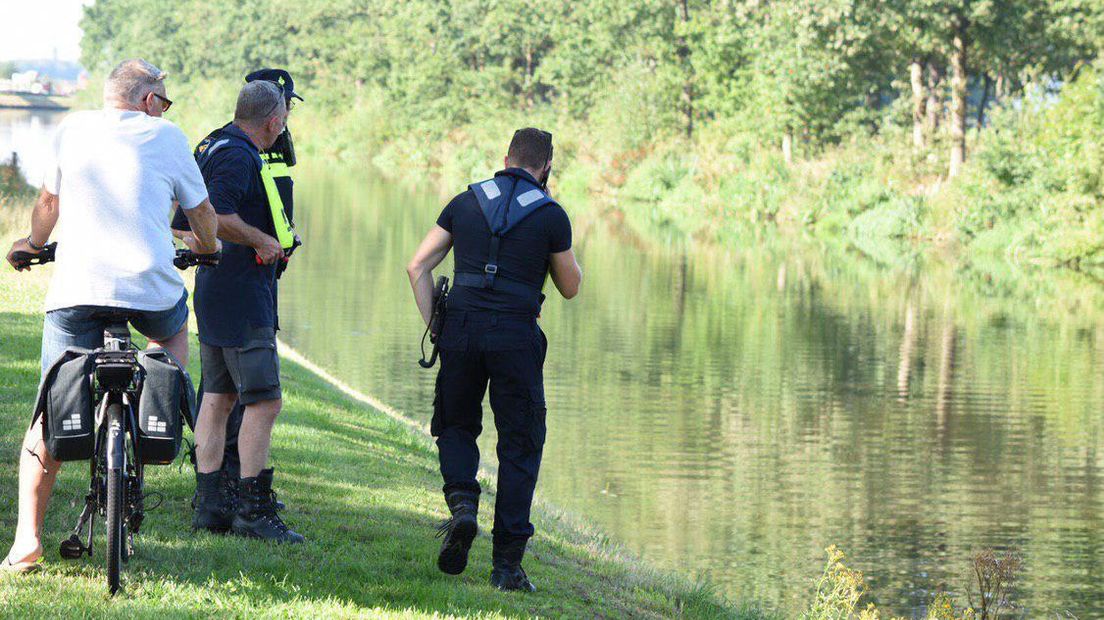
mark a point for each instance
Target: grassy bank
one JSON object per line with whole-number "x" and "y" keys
{"x": 364, "y": 490}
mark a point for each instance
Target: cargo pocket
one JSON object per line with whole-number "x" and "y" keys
{"x": 538, "y": 412}
{"x": 258, "y": 366}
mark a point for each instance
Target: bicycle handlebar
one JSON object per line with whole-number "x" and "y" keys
{"x": 26, "y": 259}
{"x": 187, "y": 258}
{"x": 184, "y": 258}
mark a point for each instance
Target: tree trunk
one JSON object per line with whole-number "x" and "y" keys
{"x": 958, "y": 98}
{"x": 687, "y": 84}
{"x": 873, "y": 99}
{"x": 787, "y": 145}
{"x": 528, "y": 77}
{"x": 986, "y": 94}
{"x": 935, "y": 97}
{"x": 916, "y": 77}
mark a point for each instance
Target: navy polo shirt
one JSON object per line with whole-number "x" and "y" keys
{"x": 523, "y": 254}
{"x": 237, "y": 295}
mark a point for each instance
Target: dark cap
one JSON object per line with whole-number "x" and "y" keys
{"x": 279, "y": 77}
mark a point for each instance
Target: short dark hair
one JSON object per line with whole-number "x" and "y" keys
{"x": 530, "y": 148}
{"x": 259, "y": 101}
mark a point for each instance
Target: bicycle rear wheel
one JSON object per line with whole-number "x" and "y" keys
{"x": 116, "y": 482}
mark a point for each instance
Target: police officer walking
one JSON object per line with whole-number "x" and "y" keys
{"x": 235, "y": 306}
{"x": 508, "y": 234}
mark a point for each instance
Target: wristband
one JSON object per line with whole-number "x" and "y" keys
{"x": 36, "y": 248}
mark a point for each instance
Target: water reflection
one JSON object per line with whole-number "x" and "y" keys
{"x": 736, "y": 412}
{"x": 28, "y": 133}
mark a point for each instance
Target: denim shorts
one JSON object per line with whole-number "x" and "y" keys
{"x": 77, "y": 326}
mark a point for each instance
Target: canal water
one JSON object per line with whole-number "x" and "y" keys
{"x": 732, "y": 412}
{"x": 27, "y": 133}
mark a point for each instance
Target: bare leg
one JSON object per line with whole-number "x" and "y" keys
{"x": 210, "y": 430}
{"x": 255, "y": 435}
{"x": 177, "y": 345}
{"x": 36, "y": 482}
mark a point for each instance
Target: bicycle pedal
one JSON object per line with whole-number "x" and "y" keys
{"x": 72, "y": 548}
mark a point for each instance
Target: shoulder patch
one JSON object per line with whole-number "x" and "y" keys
{"x": 490, "y": 189}
{"x": 530, "y": 197}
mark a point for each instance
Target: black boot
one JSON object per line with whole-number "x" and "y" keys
{"x": 231, "y": 485}
{"x": 212, "y": 508}
{"x": 256, "y": 517}
{"x": 458, "y": 532}
{"x": 506, "y": 573}
{"x": 266, "y": 478}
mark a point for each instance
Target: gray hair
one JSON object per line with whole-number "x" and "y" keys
{"x": 131, "y": 80}
{"x": 259, "y": 101}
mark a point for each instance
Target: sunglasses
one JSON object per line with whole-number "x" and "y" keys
{"x": 166, "y": 103}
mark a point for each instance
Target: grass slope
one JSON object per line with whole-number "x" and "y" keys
{"x": 362, "y": 488}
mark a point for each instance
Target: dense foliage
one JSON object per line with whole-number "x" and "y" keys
{"x": 793, "y": 66}
{"x": 811, "y": 112}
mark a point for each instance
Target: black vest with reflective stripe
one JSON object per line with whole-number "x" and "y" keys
{"x": 505, "y": 201}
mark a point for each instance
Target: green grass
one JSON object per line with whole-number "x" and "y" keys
{"x": 362, "y": 487}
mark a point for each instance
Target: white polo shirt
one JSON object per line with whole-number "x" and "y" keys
{"x": 116, "y": 174}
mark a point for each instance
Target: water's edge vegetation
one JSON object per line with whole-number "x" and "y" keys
{"x": 901, "y": 128}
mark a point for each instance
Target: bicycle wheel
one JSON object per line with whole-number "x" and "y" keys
{"x": 116, "y": 482}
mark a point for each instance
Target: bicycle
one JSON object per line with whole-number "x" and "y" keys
{"x": 116, "y": 466}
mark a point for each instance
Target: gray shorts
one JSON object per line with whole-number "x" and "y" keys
{"x": 251, "y": 371}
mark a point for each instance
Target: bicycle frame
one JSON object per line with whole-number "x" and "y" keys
{"x": 116, "y": 371}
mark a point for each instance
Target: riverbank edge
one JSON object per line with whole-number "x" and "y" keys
{"x": 608, "y": 568}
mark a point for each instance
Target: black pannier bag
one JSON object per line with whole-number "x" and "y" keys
{"x": 165, "y": 403}
{"x": 66, "y": 401}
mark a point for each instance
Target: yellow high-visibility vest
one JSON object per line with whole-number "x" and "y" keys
{"x": 285, "y": 232}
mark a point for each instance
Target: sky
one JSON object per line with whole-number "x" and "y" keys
{"x": 36, "y": 28}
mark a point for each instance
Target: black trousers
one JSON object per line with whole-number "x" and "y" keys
{"x": 506, "y": 354}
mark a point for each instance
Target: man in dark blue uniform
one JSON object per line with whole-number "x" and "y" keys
{"x": 508, "y": 234}
{"x": 278, "y": 158}
{"x": 235, "y": 307}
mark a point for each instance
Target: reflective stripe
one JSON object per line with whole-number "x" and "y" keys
{"x": 284, "y": 232}
{"x": 215, "y": 146}
{"x": 490, "y": 188}
{"x": 530, "y": 197}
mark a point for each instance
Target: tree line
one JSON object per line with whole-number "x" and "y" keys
{"x": 792, "y": 71}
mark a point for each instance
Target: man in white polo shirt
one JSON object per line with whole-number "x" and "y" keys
{"x": 107, "y": 198}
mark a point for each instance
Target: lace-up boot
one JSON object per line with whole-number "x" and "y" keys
{"x": 212, "y": 508}
{"x": 458, "y": 532}
{"x": 256, "y": 517}
{"x": 506, "y": 573}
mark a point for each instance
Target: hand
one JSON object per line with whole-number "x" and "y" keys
{"x": 21, "y": 245}
{"x": 269, "y": 251}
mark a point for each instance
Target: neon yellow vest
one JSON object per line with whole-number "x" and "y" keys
{"x": 285, "y": 232}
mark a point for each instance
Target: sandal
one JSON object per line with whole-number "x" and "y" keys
{"x": 22, "y": 568}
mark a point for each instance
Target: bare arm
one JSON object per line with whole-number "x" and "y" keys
{"x": 205, "y": 224}
{"x": 234, "y": 229}
{"x": 566, "y": 273}
{"x": 43, "y": 219}
{"x": 434, "y": 248}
